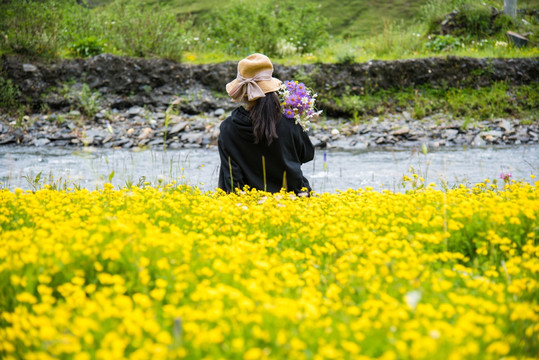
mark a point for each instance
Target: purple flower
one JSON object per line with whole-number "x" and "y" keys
{"x": 505, "y": 176}
{"x": 298, "y": 102}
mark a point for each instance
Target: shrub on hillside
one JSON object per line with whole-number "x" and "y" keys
{"x": 9, "y": 94}
{"x": 135, "y": 31}
{"x": 465, "y": 18}
{"x": 271, "y": 27}
{"x": 87, "y": 46}
{"x": 440, "y": 43}
{"x": 49, "y": 28}
{"x": 30, "y": 28}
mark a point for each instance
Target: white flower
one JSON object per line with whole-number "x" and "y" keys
{"x": 412, "y": 298}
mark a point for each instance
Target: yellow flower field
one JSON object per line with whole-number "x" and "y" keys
{"x": 170, "y": 272}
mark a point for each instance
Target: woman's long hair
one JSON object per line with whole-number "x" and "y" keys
{"x": 265, "y": 114}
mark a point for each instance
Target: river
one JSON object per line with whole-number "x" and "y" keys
{"x": 331, "y": 170}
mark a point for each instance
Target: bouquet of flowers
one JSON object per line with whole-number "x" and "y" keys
{"x": 298, "y": 103}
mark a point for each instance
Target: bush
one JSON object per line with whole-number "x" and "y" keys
{"x": 88, "y": 46}
{"x": 440, "y": 43}
{"x": 9, "y": 95}
{"x": 89, "y": 100}
{"x": 396, "y": 38}
{"x": 46, "y": 28}
{"x": 30, "y": 28}
{"x": 474, "y": 19}
{"x": 271, "y": 27}
{"x": 135, "y": 31}
{"x": 465, "y": 17}
{"x": 346, "y": 57}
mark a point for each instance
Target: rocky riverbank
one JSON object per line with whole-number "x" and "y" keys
{"x": 112, "y": 101}
{"x": 139, "y": 127}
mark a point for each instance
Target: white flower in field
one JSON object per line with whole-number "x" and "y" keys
{"x": 412, "y": 298}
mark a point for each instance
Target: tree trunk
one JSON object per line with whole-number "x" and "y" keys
{"x": 510, "y": 8}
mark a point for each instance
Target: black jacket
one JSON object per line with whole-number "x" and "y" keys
{"x": 241, "y": 156}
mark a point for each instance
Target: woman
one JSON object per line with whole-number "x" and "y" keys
{"x": 258, "y": 146}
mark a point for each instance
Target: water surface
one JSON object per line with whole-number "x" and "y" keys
{"x": 330, "y": 171}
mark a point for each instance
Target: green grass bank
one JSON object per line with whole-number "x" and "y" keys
{"x": 293, "y": 32}
{"x": 310, "y": 33}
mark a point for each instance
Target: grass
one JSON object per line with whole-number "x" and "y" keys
{"x": 120, "y": 27}
{"x": 500, "y": 100}
{"x": 354, "y": 18}
{"x": 165, "y": 273}
{"x": 359, "y": 31}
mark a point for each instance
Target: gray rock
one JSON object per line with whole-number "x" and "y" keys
{"x": 97, "y": 132}
{"x": 7, "y": 139}
{"x": 27, "y": 139}
{"x": 120, "y": 142}
{"x": 61, "y": 143}
{"x": 60, "y": 135}
{"x": 177, "y": 128}
{"x": 192, "y": 138}
{"x": 492, "y": 135}
{"x": 401, "y": 131}
{"x": 41, "y": 142}
{"x": 460, "y": 140}
{"x": 206, "y": 140}
{"x": 144, "y": 133}
{"x": 406, "y": 115}
{"x": 358, "y": 144}
{"x": 522, "y": 134}
{"x": 324, "y": 138}
{"x": 198, "y": 126}
{"x": 174, "y": 145}
{"x": 449, "y": 134}
{"x": 317, "y": 143}
{"x": 342, "y": 143}
{"x": 135, "y": 110}
{"x": 215, "y": 133}
{"x": 101, "y": 114}
{"x": 29, "y": 68}
{"x": 143, "y": 142}
{"x": 219, "y": 112}
{"x": 128, "y": 144}
{"x": 478, "y": 140}
{"x": 156, "y": 141}
{"x": 506, "y": 126}
{"x": 380, "y": 140}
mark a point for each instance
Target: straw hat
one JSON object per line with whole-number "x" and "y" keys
{"x": 254, "y": 79}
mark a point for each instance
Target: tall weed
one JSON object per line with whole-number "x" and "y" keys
{"x": 51, "y": 28}
{"x": 397, "y": 39}
{"x": 135, "y": 31}
{"x": 31, "y": 28}
{"x": 272, "y": 27}
{"x": 9, "y": 94}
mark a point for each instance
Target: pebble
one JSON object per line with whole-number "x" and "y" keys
{"x": 137, "y": 126}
